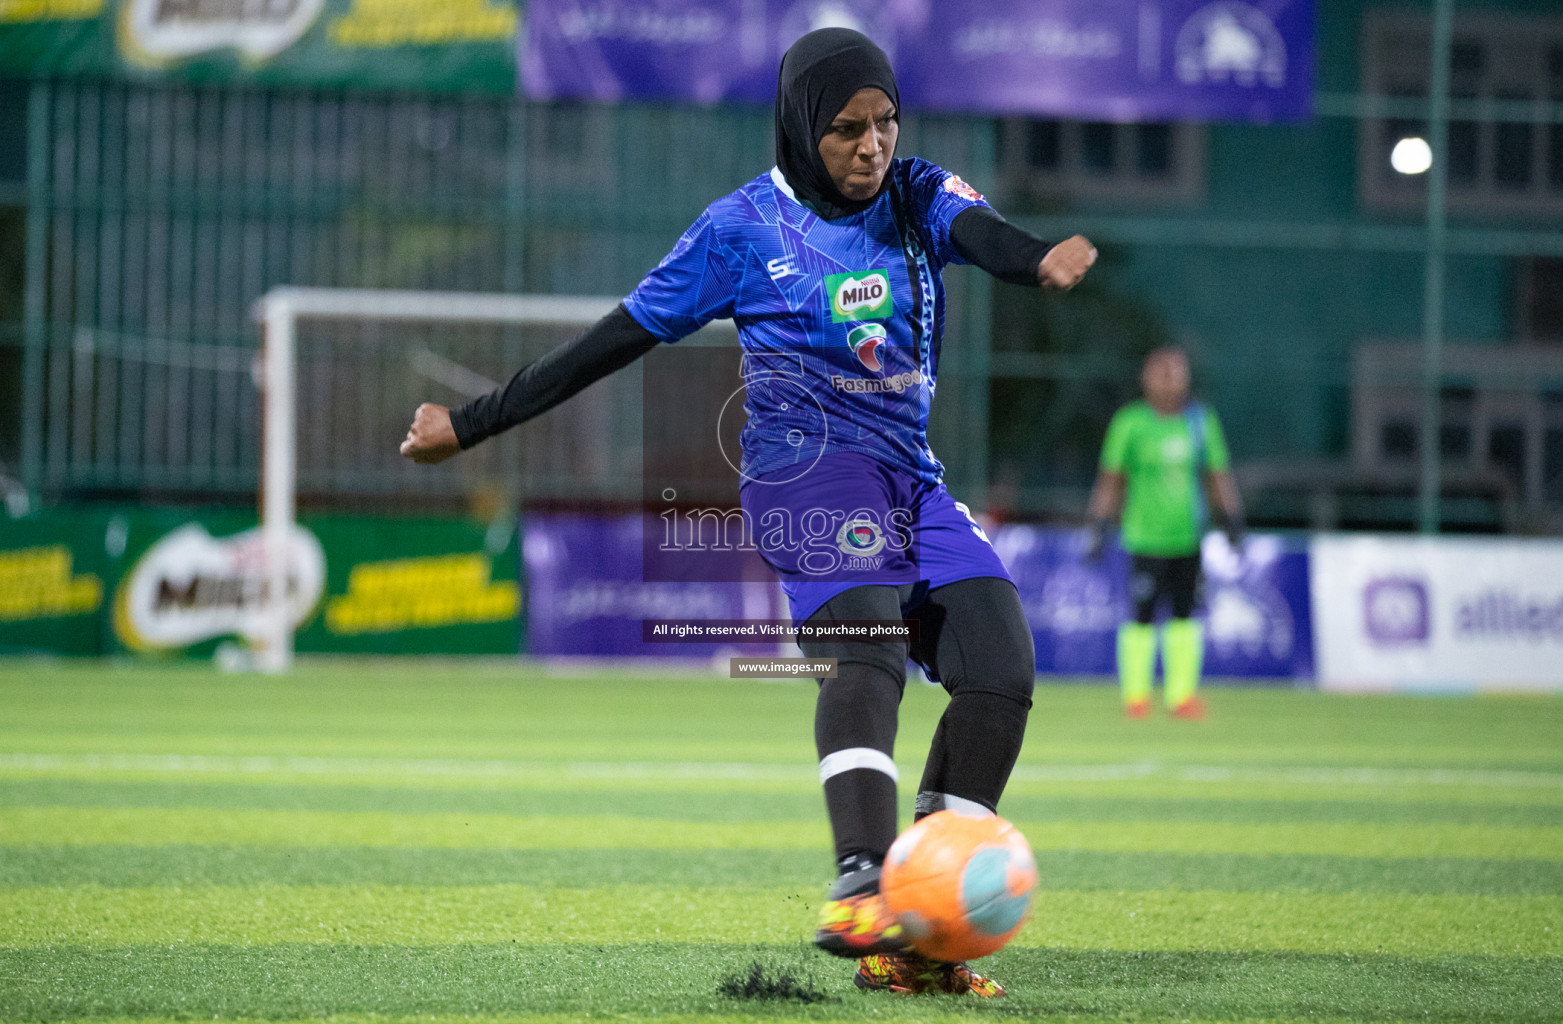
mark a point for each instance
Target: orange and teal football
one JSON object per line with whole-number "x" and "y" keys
{"x": 960, "y": 884}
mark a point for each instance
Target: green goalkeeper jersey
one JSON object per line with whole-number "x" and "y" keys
{"x": 1163, "y": 459}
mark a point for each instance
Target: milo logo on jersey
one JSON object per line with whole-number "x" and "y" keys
{"x": 861, "y": 296}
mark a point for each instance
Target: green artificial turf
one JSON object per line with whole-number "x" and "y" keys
{"x": 380, "y": 842}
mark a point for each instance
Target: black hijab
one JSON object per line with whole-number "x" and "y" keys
{"x": 819, "y": 74}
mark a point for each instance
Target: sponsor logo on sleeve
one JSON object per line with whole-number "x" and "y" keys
{"x": 861, "y": 296}
{"x": 954, "y": 185}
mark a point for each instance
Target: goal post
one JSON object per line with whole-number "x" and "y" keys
{"x": 280, "y": 312}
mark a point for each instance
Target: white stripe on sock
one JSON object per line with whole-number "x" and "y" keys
{"x": 857, "y": 757}
{"x": 967, "y": 808}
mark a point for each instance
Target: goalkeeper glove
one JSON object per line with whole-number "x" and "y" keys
{"x": 1237, "y": 533}
{"x": 1096, "y": 541}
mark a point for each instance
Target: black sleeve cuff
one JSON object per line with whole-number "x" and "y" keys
{"x": 461, "y": 423}
{"x": 610, "y": 344}
{"x": 986, "y": 240}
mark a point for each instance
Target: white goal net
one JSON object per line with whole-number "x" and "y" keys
{"x": 344, "y": 369}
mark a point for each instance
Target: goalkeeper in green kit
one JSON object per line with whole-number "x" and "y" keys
{"x": 1164, "y": 463}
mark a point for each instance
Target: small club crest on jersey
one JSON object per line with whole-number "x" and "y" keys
{"x": 955, "y": 185}
{"x": 864, "y": 341}
{"x": 864, "y": 295}
{"x": 860, "y": 537}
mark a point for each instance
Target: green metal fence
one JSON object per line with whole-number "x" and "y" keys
{"x": 155, "y": 216}
{"x": 146, "y": 219}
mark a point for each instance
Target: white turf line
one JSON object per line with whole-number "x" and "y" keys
{"x": 196, "y": 764}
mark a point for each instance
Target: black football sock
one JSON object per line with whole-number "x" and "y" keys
{"x": 854, "y": 730}
{"x": 855, "y": 725}
{"x": 973, "y": 752}
{"x": 975, "y": 634}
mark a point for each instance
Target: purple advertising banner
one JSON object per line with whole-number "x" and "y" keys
{"x": 1258, "y": 623}
{"x": 589, "y": 595}
{"x": 1121, "y": 60}
{"x": 1258, "y": 617}
{"x": 1073, "y": 605}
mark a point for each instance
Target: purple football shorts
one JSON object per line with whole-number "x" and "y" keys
{"x": 851, "y": 521}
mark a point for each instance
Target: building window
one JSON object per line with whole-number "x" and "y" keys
{"x": 1049, "y": 160}
{"x": 1555, "y": 131}
{"x": 1500, "y": 415}
{"x": 1397, "y": 440}
{"x": 1541, "y": 298}
{"x": 1457, "y": 408}
{"x": 1495, "y": 166}
{"x": 1552, "y": 446}
{"x": 1042, "y": 145}
{"x": 1155, "y": 148}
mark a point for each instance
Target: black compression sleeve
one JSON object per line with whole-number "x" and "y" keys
{"x": 986, "y": 240}
{"x": 610, "y": 344}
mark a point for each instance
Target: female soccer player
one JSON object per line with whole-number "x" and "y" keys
{"x": 1164, "y": 464}
{"x": 830, "y": 264}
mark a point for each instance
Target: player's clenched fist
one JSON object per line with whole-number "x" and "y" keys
{"x": 431, "y": 438}
{"x": 1066, "y": 263}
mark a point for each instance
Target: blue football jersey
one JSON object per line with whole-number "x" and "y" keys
{"x": 840, "y": 321}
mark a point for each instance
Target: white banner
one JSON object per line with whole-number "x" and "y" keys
{"x": 1437, "y": 613}
{"x": 191, "y": 586}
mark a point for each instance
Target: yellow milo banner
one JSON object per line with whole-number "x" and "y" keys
{"x": 421, "y": 593}
{"x": 438, "y": 45}
{"x": 52, "y": 588}
{"x": 163, "y": 583}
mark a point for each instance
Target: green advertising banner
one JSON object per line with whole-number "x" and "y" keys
{"x": 169, "y": 582}
{"x": 423, "y": 45}
{"x": 416, "y": 586}
{"x": 54, "y": 583}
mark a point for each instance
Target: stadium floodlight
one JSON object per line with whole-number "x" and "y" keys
{"x": 280, "y": 311}
{"x": 1411, "y": 155}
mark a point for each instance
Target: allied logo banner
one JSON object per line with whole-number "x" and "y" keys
{"x": 1119, "y": 60}
{"x": 1445, "y": 613}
